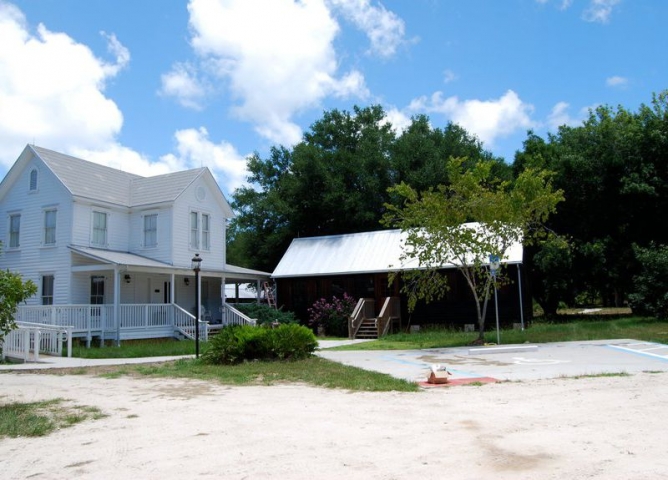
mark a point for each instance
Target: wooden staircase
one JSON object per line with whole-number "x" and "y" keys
{"x": 368, "y": 329}
{"x": 363, "y": 322}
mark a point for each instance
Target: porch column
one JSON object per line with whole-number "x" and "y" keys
{"x": 172, "y": 288}
{"x": 117, "y": 305}
{"x": 259, "y": 291}
{"x": 223, "y": 295}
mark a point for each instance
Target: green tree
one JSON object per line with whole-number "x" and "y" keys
{"x": 613, "y": 172}
{"x": 436, "y": 222}
{"x": 650, "y": 295}
{"x": 13, "y": 290}
{"x": 336, "y": 180}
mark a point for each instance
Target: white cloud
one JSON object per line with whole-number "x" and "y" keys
{"x": 600, "y": 10}
{"x": 194, "y": 149}
{"x": 597, "y": 11}
{"x": 617, "y": 81}
{"x": 182, "y": 83}
{"x": 384, "y": 29}
{"x": 563, "y": 4}
{"x": 276, "y": 58}
{"x": 52, "y": 89}
{"x": 398, "y": 119}
{"x": 118, "y": 50}
{"x": 487, "y": 119}
{"x": 560, "y": 116}
{"x": 449, "y": 76}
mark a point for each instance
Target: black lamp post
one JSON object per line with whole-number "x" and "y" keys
{"x": 195, "y": 264}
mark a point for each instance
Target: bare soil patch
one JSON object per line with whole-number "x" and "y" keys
{"x": 596, "y": 428}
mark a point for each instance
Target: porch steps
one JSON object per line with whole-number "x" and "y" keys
{"x": 367, "y": 329}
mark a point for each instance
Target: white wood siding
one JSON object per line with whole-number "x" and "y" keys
{"x": 213, "y": 258}
{"x": 33, "y": 259}
{"x": 163, "y": 250}
{"x": 117, "y": 226}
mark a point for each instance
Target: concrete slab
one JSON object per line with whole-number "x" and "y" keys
{"x": 549, "y": 360}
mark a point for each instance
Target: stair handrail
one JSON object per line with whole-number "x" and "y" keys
{"x": 359, "y": 314}
{"x": 232, "y": 316}
{"x": 389, "y": 311}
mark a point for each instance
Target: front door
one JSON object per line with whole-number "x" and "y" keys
{"x": 96, "y": 298}
{"x": 155, "y": 290}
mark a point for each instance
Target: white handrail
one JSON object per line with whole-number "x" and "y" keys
{"x": 36, "y": 338}
{"x": 232, "y": 316}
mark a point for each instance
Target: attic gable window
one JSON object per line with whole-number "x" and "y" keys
{"x": 33, "y": 180}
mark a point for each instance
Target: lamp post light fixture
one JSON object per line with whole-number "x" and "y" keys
{"x": 195, "y": 265}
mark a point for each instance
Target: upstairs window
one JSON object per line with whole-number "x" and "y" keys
{"x": 33, "y": 179}
{"x": 200, "y": 231}
{"x": 194, "y": 230}
{"x": 206, "y": 231}
{"x": 47, "y": 290}
{"x": 14, "y": 230}
{"x": 50, "y": 227}
{"x": 99, "y": 229}
{"x": 150, "y": 230}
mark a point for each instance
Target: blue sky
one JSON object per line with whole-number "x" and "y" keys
{"x": 154, "y": 86}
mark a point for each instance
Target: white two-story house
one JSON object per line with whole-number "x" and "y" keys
{"x": 111, "y": 252}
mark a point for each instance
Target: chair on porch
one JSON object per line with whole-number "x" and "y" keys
{"x": 205, "y": 314}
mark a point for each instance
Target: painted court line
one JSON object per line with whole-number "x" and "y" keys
{"x": 643, "y": 353}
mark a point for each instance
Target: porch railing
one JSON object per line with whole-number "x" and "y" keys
{"x": 98, "y": 320}
{"x": 136, "y": 320}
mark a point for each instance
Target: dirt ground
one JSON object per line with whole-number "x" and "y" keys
{"x": 595, "y": 428}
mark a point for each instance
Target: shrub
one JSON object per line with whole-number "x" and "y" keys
{"x": 233, "y": 344}
{"x": 333, "y": 316}
{"x": 291, "y": 342}
{"x": 650, "y": 295}
{"x": 238, "y": 343}
{"x": 264, "y": 314}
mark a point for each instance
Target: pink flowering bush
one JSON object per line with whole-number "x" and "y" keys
{"x": 333, "y": 315}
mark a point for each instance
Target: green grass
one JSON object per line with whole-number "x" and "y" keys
{"x": 646, "y": 329}
{"x": 313, "y": 371}
{"x": 37, "y": 419}
{"x": 600, "y": 375}
{"x": 136, "y": 348}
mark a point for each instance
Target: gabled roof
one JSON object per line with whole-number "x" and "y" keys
{"x": 87, "y": 179}
{"x": 99, "y": 182}
{"x": 162, "y": 188}
{"x": 368, "y": 252}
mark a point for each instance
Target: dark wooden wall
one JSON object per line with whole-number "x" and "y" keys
{"x": 456, "y": 309}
